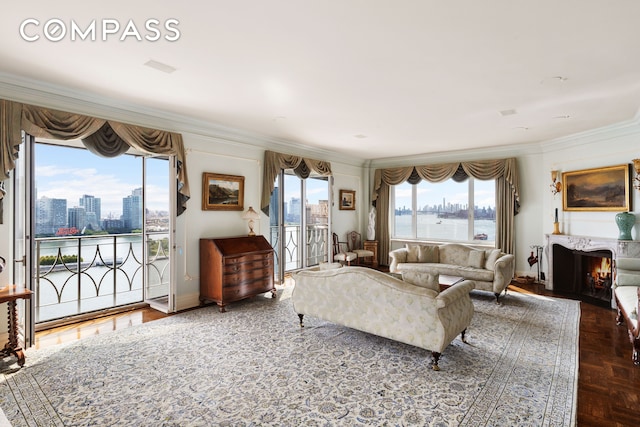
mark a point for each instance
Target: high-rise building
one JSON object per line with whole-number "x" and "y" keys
{"x": 132, "y": 210}
{"x": 51, "y": 214}
{"x": 91, "y": 206}
{"x": 77, "y": 218}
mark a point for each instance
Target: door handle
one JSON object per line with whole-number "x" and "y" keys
{"x": 21, "y": 260}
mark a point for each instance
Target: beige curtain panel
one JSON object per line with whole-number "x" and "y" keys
{"x": 105, "y": 138}
{"x": 275, "y": 162}
{"x": 503, "y": 171}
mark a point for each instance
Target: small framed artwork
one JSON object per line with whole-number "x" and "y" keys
{"x": 347, "y": 200}
{"x": 222, "y": 192}
{"x": 600, "y": 189}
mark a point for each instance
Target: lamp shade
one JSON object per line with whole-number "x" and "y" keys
{"x": 250, "y": 214}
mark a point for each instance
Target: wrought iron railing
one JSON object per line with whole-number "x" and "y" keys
{"x": 316, "y": 245}
{"x": 80, "y": 274}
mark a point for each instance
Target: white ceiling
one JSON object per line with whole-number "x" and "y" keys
{"x": 367, "y": 78}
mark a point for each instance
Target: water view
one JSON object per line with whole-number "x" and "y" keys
{"x": 432, "y": 227}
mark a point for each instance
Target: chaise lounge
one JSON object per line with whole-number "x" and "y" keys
{"x": 380, "y": 304}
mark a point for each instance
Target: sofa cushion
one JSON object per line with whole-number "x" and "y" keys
{"x": 422, "y": 279}
{"x": 428, "y": 253}
{"x": 626, "y": 278}
{"x": 412, "y": 253}
{"x": 329, "y": 265}
{"x": 491, "y": 256}
{"x": 468, "y": 273}
{"x": 476, "y": 259}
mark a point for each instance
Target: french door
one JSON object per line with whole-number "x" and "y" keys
{"x": 299, "y": 221}
{"x": 77, "y": 260}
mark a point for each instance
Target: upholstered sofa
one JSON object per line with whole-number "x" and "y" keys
{"x": 378, "y": 303}
{"x": 490, "y": 269}
{"x": 626, "y": 290}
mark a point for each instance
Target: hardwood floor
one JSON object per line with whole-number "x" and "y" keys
{"x": 101, "y": 325}
{"x": 608, "y": 382}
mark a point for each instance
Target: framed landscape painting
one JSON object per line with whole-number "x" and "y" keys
{"x": 600, "y": 189}
{"x": 222, "y": 192}
{"x": 347, "y": 200}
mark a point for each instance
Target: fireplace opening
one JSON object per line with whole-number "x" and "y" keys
{"x": 584, "y": 275}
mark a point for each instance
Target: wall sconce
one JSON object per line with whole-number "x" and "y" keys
{"x": 636, "y": 166}
{"x": 251, "y": 215}
{"x": 556, "y": 185}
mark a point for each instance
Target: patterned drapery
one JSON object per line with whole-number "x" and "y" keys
{"x": 106, "y": 138}
{"x": 275, "y": 162}
{"x": 503, "y": 171}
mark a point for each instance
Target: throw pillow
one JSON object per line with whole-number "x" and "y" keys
{"x": 422, "y": 279}
{"x": 476, "y": 259}
{"x": 491, "y": 256}
{"x": 428, "y": 253}
{"x": 412, "y": 253}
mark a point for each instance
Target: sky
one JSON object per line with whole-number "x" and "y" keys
{"x": 69, "y": 173}
{"x": 451, "y": 191}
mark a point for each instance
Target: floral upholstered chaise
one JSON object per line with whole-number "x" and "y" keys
{"x": 383, "y": 305}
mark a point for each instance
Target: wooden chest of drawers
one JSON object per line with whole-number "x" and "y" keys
{"x": 234, "y": 268}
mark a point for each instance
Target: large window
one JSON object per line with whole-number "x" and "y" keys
{"x": 446, "y": 211}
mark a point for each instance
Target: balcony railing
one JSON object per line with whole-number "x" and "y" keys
{"x": 316, "y": 245}
{"x": 89, "y": 273}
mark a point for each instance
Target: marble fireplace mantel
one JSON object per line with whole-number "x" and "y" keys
{"x": 618, "y": 248}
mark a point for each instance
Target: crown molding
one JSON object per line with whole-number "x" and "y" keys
{"x": 597, "y": 135}
{"x": 502, "y": 151}
{"x": 30, "y": 91}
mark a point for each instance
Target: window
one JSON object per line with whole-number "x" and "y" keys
{"x": 440, "y": 211}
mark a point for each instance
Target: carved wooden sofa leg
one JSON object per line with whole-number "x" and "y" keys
{"x": 301, "y": 323}
{"x": 436, "y": 357}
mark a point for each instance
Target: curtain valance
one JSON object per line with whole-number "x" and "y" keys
{"x": 503, "y": 171}
{"x": 106, "y": 138}
{"x": 480, "y": 169}
{"x": 275, "y": 162}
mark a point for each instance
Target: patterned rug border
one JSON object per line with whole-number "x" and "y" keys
{"x": 523, "y": 384}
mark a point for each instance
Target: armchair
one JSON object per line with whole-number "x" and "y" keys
{"x": 341, "y": 251}
{"x": 354, "y": 240}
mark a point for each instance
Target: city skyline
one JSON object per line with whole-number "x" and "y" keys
{"x": 70, "y": 173}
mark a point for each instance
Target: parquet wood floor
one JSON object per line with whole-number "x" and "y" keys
{"x": 608, "y": 382}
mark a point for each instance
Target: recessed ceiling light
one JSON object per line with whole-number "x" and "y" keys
{"x": 360, "y": 136}
{"x": 563, "y": 117}
{"x": 160, "y": 66}
{"x": 509, "y": 112}
{"x": 561, "y": 78}
{"x": 521, "y": 127}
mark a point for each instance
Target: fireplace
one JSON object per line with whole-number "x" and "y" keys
{"x": 583, "y": 275}
{"x": 586, "y": 265}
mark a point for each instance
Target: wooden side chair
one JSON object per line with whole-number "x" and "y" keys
{"x": 341, "y": 251}
{"x": 354, "y": 244}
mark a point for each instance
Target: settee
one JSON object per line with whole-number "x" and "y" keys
{"x": 490, "y": 269}
{"x": 626, "y": 290}
{"x": 380, "y": 304}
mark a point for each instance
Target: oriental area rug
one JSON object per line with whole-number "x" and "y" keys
{"x": 255, "y": 366}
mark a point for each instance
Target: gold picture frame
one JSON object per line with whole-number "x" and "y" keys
{"x": 222, "y": 192}
{"x": 347, "y": 200}
{"x": 598, "y": 189}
